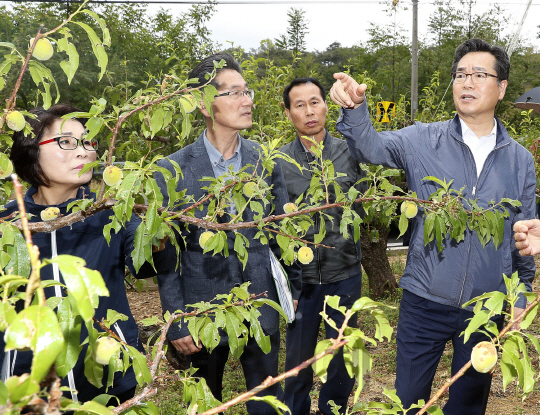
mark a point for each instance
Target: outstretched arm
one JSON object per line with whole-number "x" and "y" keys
{"x": 527, "y": 236}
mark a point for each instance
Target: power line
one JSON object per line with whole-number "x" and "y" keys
{"x": 237, "y": 2}
{"x": 270, "y": 3}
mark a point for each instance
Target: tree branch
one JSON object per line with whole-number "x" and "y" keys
{"x": 467, "y": 365}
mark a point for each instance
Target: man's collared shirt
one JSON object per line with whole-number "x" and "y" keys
{"x": 480, "y": 147}
{"x": 220, "y": 165}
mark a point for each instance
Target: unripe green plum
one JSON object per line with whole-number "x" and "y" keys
{"x": 249, "y": 189}
{"x": 289, "y": 207}
{"x": 305, "y": 255}
{"x": 6, "y": 168}
{"x": 49, "y": 214}
{"x": 105, "y": 348}
{"x": 112, "y": 175}
{"x": 189, "y": 103}
{"x": 15, "y": 120}
{"x": 484, "y": 356}
{"x": 43, "y": 50}
{"x": 203, "y": 239}
{"x": 409, "y": 208}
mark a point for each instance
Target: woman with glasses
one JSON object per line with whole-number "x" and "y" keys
{"x": 50, "y": 160}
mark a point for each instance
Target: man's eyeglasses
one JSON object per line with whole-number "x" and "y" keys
{"x": 477, "y": 77}
{"x": 236, "y": 95}
{"x": 68, "y": 142}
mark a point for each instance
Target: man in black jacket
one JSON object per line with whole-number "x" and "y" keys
{"x": 333, "y": 271}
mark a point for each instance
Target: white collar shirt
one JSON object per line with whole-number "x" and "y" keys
{"x": 480, "y": 147}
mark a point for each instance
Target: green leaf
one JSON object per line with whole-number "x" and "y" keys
{"x": 97, "y": 47}
{"x": 115, "y": 365}
{"x": 71, "y": 65}
{"x": 43, "y": 75}
{"x": 529, "y": 318}
{"x": 93, "y": 371}
{"x": 283, "y": 241}
{"x": 92, "y": 407}
{"x": 102, "y": 24}
{"x": 19, "y": 387}
{"x": 439, "y": 233}
{"x": 428, "y": 228}
{"x": 320, "y": 367}
{"x": 140, "y": 366}
{"x": 510, "y": 364}
{"x": 8, "y": 45}
{"x": 84, "y": 285}
{"x": 36, "y": 328}
{"x": 237, "y": 333}
{"x": 383, "y": 328}
{"x": 139, "y": 246}
{"x": 156, "y": 120}
{"x": 70, "y": 324}
{"x": 272, "y": 304}
{"x": 403, "y": 224}
{"x": 257, "y": 331}
{"x": 19, "y": 262}
{"x": 4, "y": 394}
{"x": 209, "y": 335}
{"x": 273, "y": 401}
{"x": 94, "y": 126}
{"x": 436, "y": 180}
{"x": 480, "y": 318}
{"x": 145, "y": 408}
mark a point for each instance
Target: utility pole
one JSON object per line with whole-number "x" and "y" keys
{"x": 414, "y": 60}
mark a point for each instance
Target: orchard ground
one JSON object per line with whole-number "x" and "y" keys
{"x": 169, "y": 397}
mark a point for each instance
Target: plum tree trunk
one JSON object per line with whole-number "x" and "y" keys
{"x": 375, "y": 262}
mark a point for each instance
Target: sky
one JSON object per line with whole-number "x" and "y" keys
{"x": 329, "y": 21}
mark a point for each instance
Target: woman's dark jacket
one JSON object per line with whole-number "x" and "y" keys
{"x": 85, "y": 239}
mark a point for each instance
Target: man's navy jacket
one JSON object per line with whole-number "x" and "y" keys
{"x": 466, "y": 269}
{"x": 202, "y": 276}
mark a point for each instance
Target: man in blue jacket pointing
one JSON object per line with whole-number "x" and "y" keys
{"x": 476, "y": 151}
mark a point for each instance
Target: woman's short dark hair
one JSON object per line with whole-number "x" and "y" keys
{"x": 207, "y": 67}
{"x": 301, "y": 81}
{"x": 25, "y": 149}
{"x": 502, "y": 61}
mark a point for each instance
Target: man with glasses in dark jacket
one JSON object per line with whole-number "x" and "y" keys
{"x": 202, "y": 275}
{"x": 475, "y": 150}
{"x": 333, "y": 271}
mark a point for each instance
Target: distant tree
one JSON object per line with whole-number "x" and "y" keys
{"x": 295, "y": 39}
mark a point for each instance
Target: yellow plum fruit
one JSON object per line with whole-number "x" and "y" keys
{"x": 43, "y": 50}
{"x": 305, "y": 255}
{"x": 410, "y": 209}
{"x": 112, "y": 175}
{"x": 15, "y": 121}
{"x": 484, "y": 356}
{"x": 249, "y": 189}
{"x": 49, "y": 214}
{"x": 203, "y": 239}
{"x": 189, "y": 103}
{"x": 105, "y": 348}
{"x": 6, "y": 167}
{"x": 289, "y": 207}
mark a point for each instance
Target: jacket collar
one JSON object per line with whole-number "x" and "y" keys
{"x": 327, "y": 143}
{"x": 82, "y": 193}
{"x": 198, "y": 151}
{"x": 503, "y": 137}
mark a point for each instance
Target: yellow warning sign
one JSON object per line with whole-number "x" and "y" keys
{"x": 384, "y": 109}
